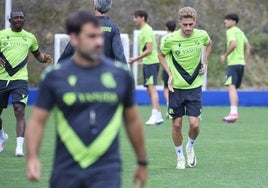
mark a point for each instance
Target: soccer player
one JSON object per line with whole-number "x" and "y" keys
{"x": 148, "y": 57}
{"x": 185, "y": 72}
{"x": 113, "y": 47}
{"x": 15, "y": 43}
{"x": 170, "y": 27}
{"x": 238, "y": 50}
{"x": 91, "y": 96}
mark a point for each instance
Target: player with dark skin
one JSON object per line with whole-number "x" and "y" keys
{"x": 17, "y": 21}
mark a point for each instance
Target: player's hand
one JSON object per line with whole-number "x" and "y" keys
{"x": 203, "y": 68}
{"x": 140, "y": 177}
{"x": 33, "y": 169}
{"x": 140, "y": 62}
{"x": 170, "y": 78}
{"x": 2, "y": 62}
{"x": 131, "y": 60}
{"x": 47, "y": 58}
{"x": 223, "y": 58}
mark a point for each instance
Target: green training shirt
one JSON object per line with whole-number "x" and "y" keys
{"x": 186, "y": 56}
{"x": 168, "y": 56}
{"x": 14, "y": 49}
{"x": 237, "y": 56}
{"x": 147, "y": 35}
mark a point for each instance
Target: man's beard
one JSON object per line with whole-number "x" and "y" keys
{"x": 90, "y": 56}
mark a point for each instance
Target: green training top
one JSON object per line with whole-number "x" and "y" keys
{"x": 147, "y": 35}
{"x": 14, "y": 49}
{"x": 168, "y": 56}
{"x": 186, "y": 56}
{"x": 237, "y": 56}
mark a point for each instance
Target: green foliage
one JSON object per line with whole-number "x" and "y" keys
{"x": 259, "y": 40}
{"x": 216, "y": 72}
{"x": 168, "y": 2}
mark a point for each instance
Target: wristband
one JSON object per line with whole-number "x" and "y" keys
{"x": 142, "y": 163}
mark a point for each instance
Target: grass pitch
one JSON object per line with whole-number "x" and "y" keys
{"x": 228, "y": 155}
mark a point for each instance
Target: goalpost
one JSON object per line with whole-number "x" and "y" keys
{"x": 61, "y": 40}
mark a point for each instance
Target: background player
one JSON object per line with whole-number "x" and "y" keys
{"x": 149, "y": 59}
{"x": 113, "y": 47}
{"x": 238, "y": 50}
{"x": 92, "y": 96}
{"x": 185, "y": 80}
{"x": 15, "y": 43}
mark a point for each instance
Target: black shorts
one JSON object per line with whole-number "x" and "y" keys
{"x": 185, "y": 102}
{"x": 18, "y": 89}
{"x": 81, "y": 180}
{"x": 165, "y": 79}
{"x": 150, "y": 73}
{"x": 234, "y": 75}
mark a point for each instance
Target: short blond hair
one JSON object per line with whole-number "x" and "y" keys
{"x": 187, "y": 12}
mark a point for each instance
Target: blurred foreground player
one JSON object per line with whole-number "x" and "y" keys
{"x": 91, "y": 96}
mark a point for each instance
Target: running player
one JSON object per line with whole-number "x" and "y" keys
{"x": 238, "y": 49}
{"x": 185, "y": 80}
{"x": 91, "y": 96}
{"x": 149, "y": 59}
{"x": 15, "y": 43}
{"x": 113, "y": 47}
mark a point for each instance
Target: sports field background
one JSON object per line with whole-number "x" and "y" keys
{"x": 228, "y": 155}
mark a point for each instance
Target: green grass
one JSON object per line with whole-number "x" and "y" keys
{"x": 229, "y": 155}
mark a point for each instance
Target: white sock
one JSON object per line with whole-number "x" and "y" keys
{"x": 190, "y": 143}
{"x": 20, "y": 141}
{"x": 179, "y": 151}
{"x": 159, "y": 114}
{"x": 154, "y": 112}
{"x": 233, "y": 110}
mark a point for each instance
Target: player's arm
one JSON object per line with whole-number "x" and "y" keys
{"x": 42, "y": 57}
{"x": 205, "y": 57}
{"x": 230, "y": 49}
{"x": 247, "y": 51}
{"x": 33, "y": 135}
{"x": 148, "y": 50}
{"x": 164, "y": 64}
{"x": 134, "y": 131}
